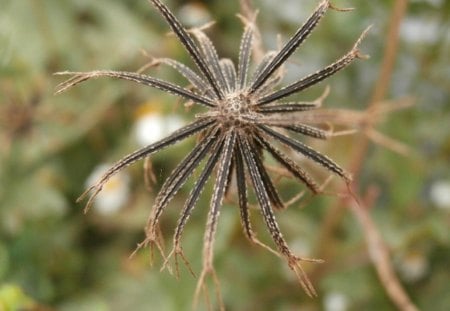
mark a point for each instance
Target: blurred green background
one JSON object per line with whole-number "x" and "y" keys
{"x": 54, "y": 257}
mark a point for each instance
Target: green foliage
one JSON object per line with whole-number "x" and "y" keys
{"x": 51, "y": 254}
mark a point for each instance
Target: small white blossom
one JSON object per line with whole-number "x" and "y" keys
{"x": 413, "y": 266}
{"x": 415, "y": 30}
{"x": 152, "y": 126}
{"x": 115, "y": 192}
{"x": 335, "y": 301}
{"x": 194, "y": 14}
{"x": 301, "y": 246}
{"x": 435, "y": 3}
{"x": 440, "y": 194}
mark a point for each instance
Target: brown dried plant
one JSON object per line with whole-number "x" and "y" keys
{"x": 245, "y": 118}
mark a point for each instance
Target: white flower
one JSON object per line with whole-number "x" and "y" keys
{"x": 301, "y": 246}
{"x": 417, "y": 30}
{"x": 115, "y": 192}
{"x": 194, "y": 14}
{"x": 440, "y": 194}
{"x": 152, "y": 126}
{"x": 335, "y": 301}
{"x": 413, "y": 266}
{"x": 435, "y": 3}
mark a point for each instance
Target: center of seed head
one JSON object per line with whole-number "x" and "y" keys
{"x": 234, "y": 108}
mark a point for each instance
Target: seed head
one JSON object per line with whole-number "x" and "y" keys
{"x": 245, "y": 118}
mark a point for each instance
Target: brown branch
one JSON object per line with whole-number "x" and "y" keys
{"x": 388, "y": 143}
{"x": 377, "y": 249}
{"x": 379, "y": 255}
{"x": 384, "y": 78}
{"x": 390, "y": 52}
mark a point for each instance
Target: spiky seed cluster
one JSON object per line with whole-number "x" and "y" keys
{"x": 245, "y": 115}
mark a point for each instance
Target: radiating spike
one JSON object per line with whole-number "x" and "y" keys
{"x": 289, "y": 164}
{"x": 189, "y": 44}
{"x": 190, "y": 75}
{"x": 272, "y": 192}
{"x": 223, "y": 171}
{"x": 316, "y": 77}
{"x": 179, "y": 176}
{"x": 295, "y": 106}
{"x": 229, "y": 181}
{"x": 242, "y": 194}
{"x": 294, "y": 126}
{"x": 269, "y": 85}
{"x": 196, "y": 192}
{"x": 229, "y": 72}
{"x": 245, "y": 51}
{"x": 217, "y": 198}
{"x": 267, "y": 58}
{"x": 211, "y": 57}
{"x": 307, "y": 130}
{"x": 289, "y": 48}
{"x": 307, "y": 152}
{"x": 269, "y": 218}
{"x": 79, "y": 77}
{"x": 208, "y": 139}
{"x": 263, "y": 198}
{"x": 288, "y": 107}
{"x": 175, "y": 137}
